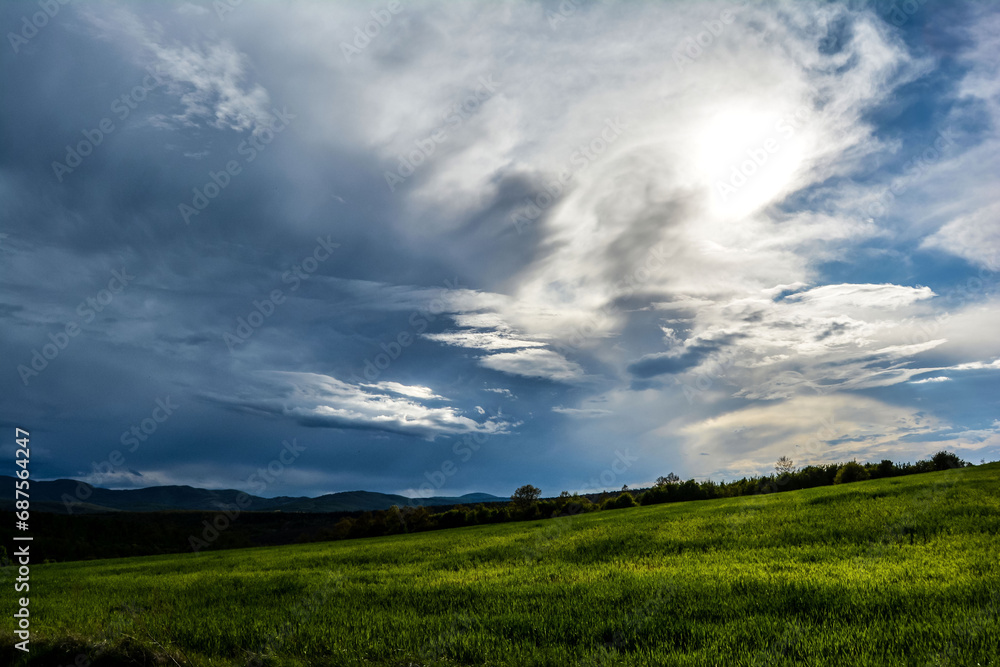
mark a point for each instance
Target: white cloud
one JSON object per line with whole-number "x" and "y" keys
{"x": 819, "y": 340}
{"x": 836, "y": 298}
{"x": 321, "y": 400}
{"x": 939, "y": 378}
{"x": 976, "y": 365}
{"x": 975, "y": 237}
{"x": 483, "y": 340}
{"x": 414, "y": 391}
{"x": 534, "y": 362}
{"x": 209, "y": 80}
{"x": 810, "y": 430}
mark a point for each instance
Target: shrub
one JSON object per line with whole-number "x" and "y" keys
{"x": 624, "y": 500}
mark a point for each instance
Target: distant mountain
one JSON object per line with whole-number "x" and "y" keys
{"x": 57, "y": 496}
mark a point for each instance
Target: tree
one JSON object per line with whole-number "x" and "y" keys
{"x": 885, "y": 468}
{"x": 526, "y": 496}
{"x": 784, "y": 465}
{"x": 944, "y": 460}
{"x": 669, "y": 479}
{"x": 850, "y": 472}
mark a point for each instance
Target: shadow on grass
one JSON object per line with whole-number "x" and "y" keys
{"x": 80, "y": 653}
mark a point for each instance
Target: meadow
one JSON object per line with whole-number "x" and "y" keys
{"x": 898, "y": 571}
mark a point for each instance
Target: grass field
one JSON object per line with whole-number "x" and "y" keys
{"x": 900, "y": 571}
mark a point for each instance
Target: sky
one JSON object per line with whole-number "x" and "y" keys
{"x": 437, "y": 248}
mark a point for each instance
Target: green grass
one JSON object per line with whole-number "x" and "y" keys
{"x": 899, "y": 571}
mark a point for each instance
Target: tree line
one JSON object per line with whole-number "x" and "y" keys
{"x": 528, "y": 505}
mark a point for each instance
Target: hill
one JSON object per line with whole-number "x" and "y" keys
{"x": 899, "y": 571}
{"x": 52, "y": 496}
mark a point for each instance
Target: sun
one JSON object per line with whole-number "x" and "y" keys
{"x": 747, "y": 156}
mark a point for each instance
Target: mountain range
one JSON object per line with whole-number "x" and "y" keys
{"x": 65, "y": 496}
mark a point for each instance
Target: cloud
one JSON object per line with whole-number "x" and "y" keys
{"x": 977, "y": 365}
{"x": 681, "y": 359}
{"x": 323, "y": 401}
{"x": 413, "y": 391}
{"x": 812, "y": 430}
{"x": 975, "y": 237}
{"x": 531, "y": 358}
{"x": 832, "y": 337}
{"x": 534, "y": 362}
{"x": 581, "y": 412}
{"x": 483, "y": 340}
{"x": 939, "y": 378}
{"x": 210, "y": 81}
{"x": 836, "y": 298}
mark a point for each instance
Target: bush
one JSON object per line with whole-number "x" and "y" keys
{"x": 624, "y": 500}
{"x": 579, "y": 504}
{"x": 850, "y": 472}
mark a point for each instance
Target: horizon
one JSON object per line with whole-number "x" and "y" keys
{"x": 588, "y": 491}
{"x": 399, "y": 246}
